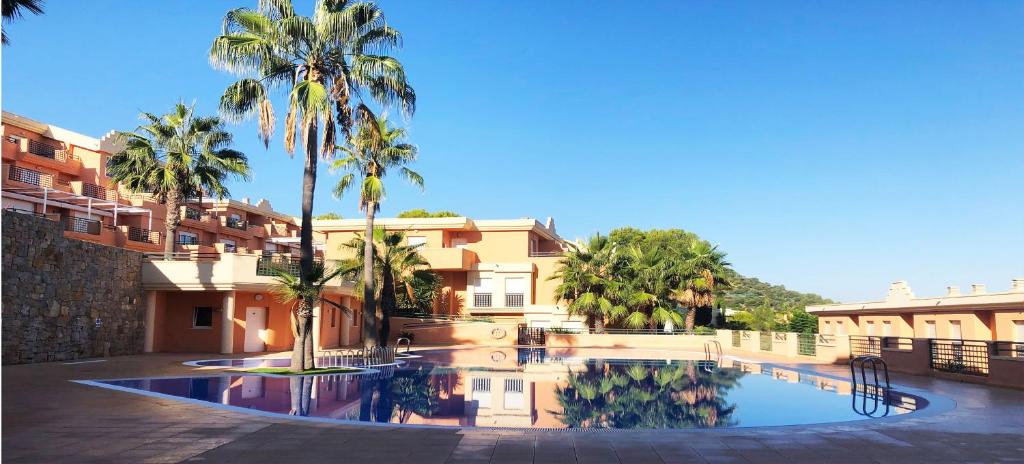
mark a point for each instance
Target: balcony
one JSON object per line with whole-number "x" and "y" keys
{"x": 97, "y": 192}
{"x": 236, "y": 223}
{"x": 442, "y": 259}
{"x": 82, "y": 225}
{"x": 227, "y": 271}
{"x": 29, "y": 176}
{"x": 514, "y": 300}
{"x": 46, "y": 150}
{"x": 482, "y": 300}
{"x": 140, "y": 235}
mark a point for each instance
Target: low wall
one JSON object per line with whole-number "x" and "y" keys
{"x": 64, "y": 298}
{"x": 689, "y": 342}
{"x": 455, "y": 333}
{"x": 1006, "y": 372}
{"x": 914, "y": 359}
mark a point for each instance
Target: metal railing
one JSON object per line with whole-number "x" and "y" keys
{"x": 183, "y": 256}
{"x": 545, "y": 254}
{"x": 531, "y": 336}
{"x": 1008, "y": 349}
{"x": 898, "y": 343}
{"x": 514, "y": 300}
{"x": 29, "y": 176}
{"x": 482, "y": 300}
{"x": 968, "y": 357}
{"x": 361, "y": 357}
{"x": 825, "y": 339}
{"x": 621, "y": 331}
{"x": 736, "y": 338}
{"x": 806, "y": 344}
{"x": 766, "y": 341}
{"x": 274, "y": 265}
{"x": 193, "y": 214}
{"x": 861, "y": 345}
{"x": 46, "y": 150}
{"x": 95, "y": 191}
{"x": 236, "y": 223}
{"x": 138, "y": 234}
{"x": 82, "y": 225}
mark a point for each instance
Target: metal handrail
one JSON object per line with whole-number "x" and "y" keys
{"x": 408, "y": 344}
{"x": 874, "y": 389}
{"x": 707, "y": 349}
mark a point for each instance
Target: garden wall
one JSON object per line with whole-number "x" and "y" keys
{"x": 67, "y": 299}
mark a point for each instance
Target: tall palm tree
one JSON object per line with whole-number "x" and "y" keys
{"x": 705, "y": 269}
{"x": 586, "y": 281}
{"x": 177, "y": 157}
{"x": 648, "y": 277}
{"x": 327, "y": 61}
{"x": 373, "y": 150}
{"x": 302, "y": 292}
{"x": 398, "y": 267}
{"x": 12, "y": 9}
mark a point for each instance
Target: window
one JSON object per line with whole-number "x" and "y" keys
{"x": 514, "y": 394}
{"x": 954, "y": 330}
{"x": 229, "y": 245}
{"x": 1018, "y": 331}
{"x": 482, "y": 293}
{"x": 886, "y": 328}
{"x": 870, "y": 329}
{"x": 202, "y": 317}
{"x": 458, "y": 243}
{"x": 417, "y": 241}
{"x": 482, "y": 392}
{"x": 930, "y": 331}
{"x": 840, "y": 329}
{"x": 188, "y": 238}
{"x": 827, "y": 330}
{"x": 515, "y": 290}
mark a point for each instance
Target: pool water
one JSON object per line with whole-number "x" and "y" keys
{"x": 532, "y": 388}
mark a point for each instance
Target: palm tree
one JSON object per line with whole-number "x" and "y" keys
{"x": 326, "y": 61}
{"x": 587, "y": 284}
{"x": 400, "y": 269}
{"x": 705, "y": 268}
{"x": 373, "y": 150}
{"x": 12, "y": 10}
{"x": 177, "y": 157}
{"x": 647, "y": 282}
{"x": 302, "y": 292}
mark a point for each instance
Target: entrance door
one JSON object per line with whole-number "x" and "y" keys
{"x": 255, "y": 329}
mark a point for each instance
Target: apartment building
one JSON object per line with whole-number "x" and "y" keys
{"x": 977, "y": 315}
{"x": 495, "y": 268}
{"x": 216, "y": 294}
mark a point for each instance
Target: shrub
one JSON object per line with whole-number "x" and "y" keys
{"x": 702, "y": 330}
{"x": 407, "y": 334}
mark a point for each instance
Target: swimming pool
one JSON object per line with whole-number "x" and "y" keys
{"x": 537, "y": 388}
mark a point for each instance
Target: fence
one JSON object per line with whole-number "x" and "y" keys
{"x": 138, "y": 234}
{"x": 362, "y": 357}
{"x": 736, "y": 339}
{"x": 968, "y": 357}
{"x": 1008, "y": 349}
{"x": 861, "y": 345}
{"x": 806, "y": 344}
{"x": 766, "y": 341}
{"x": 82, "y": 225}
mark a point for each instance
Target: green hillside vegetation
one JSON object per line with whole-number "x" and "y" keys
{"x": 748, "y": 293}
{"x": 422, "y": 213}
{"x": 328, "y": 217}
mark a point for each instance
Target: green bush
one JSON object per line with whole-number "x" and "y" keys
{"x": 702, "y": 330}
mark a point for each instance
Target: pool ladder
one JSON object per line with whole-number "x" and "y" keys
{"x": 709, "y": 364}
{"x": 874, "y": 389}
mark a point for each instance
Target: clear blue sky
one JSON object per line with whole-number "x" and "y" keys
{"x": 829, "y": 147}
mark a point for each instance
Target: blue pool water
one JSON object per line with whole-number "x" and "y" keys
{"x": 530, "y": 388}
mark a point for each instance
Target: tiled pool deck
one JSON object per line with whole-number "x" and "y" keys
{"x": 48, "y": 419}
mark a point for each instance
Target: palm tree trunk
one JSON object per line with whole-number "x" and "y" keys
{"x": 370, "y": 335}
{"x": 387, "y": 303}
{"x": 171, "y": 222}
{"x": 599, "y": 324}
{"x": 691, "y": 318}
{"x": 302, "y": 351}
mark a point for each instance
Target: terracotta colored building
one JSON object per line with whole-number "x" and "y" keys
{"x": 495, "y": 268}
{"x": 978, "y": 315}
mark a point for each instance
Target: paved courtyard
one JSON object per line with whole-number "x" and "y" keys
{"x": 46, "y": 418}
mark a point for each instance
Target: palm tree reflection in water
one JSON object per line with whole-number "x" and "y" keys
{"x": 626, "y": 396}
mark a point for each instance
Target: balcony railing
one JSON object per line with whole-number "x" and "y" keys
{"x": 545, "y": 254}
{"x": 97, "y": 192}
{"x": 193, "y": 214}
{"x": 82, "y": 225}
{"x": 482, "y": 300}
{"x": 236, "y": 223}
{"x": 272, "y": 265}
{"x": 28, "y": 176}
{"x": 959, "y": 356}
{"x": 46, "y": 150}
{"x": 865, "y": 345}
{"x": 138, "y": 234}
{"x": 514, "y": 300}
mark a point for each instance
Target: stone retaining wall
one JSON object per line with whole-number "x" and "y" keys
{"x": 67, "y": 299}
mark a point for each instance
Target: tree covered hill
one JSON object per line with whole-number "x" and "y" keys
{"x": 750, "y": 292}
{"x": 746, "y": 293}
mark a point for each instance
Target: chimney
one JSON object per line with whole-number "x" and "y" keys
{"x": 953, "y": 290}
{"x": 245, "y": 200}
{"x": 1017, "y": 285}
{"x": 978, "y": 289}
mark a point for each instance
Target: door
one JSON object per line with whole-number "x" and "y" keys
{"x": 255, "y": 329}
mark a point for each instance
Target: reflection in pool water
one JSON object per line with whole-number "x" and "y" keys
{"x": 530, "y": 389}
